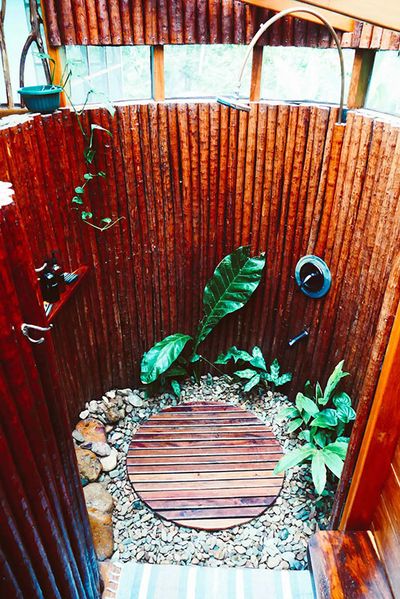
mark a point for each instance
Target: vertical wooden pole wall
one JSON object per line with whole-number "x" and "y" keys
{"x": 47, "y": 549}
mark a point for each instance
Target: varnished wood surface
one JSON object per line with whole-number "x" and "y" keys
{"x": 345, "y": 565}
{"x": 211, "y": 468}
{"x": 207, "y": 22}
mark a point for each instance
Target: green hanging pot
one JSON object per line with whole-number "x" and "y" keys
{"x": 41, "y": 98}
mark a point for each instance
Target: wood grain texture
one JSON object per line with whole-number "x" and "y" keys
{"x": 220, "y": 491}
{"x": 226, "y": 22}
{"x": 345, "y": 565}
{"x": 193, "y": 182}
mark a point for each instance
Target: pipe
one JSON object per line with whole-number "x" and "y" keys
{"x": 235, "y": 103}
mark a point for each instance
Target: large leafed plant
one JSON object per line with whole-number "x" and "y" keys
{"x": 234, "y": 281}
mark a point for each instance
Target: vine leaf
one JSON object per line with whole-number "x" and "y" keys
{"x": 234, "y": 280}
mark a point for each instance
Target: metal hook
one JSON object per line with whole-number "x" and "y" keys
{"x": 25, "y": 331}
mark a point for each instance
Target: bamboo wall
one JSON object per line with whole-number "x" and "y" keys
{"x": 193, "y": 182}
{"x": 105, "y": 22}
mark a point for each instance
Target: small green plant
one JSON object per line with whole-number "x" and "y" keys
{"x": 234, "y": 281}
{"x": 258, "y": 374}
{"x": 321, "y": 417}
{"x": 80, "y": 201}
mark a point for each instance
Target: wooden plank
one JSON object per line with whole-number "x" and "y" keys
{"x": 210, "y": 524}
{"x": 362, "y": 10}
{"x": 240, "y": 443}
{"x": 360, "y": 77}
{"x": 211, "y": 493}
{"x": 188, "y": 465}
{"x": 158, "y": 453}
{"x": 256, "y": 73}
{"x": 225, "y": 502}
{"x": 338, "y": 21}
{"x": 198, "y": 513}
{"x": 194, "y": 477}
{"x": 157, "y": 73}
{"x": 346, "y": 565}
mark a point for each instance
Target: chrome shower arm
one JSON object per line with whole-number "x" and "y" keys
{"x": 265, "y": 26}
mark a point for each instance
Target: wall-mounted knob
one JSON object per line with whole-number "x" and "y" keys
{"x": 313, "y": 276}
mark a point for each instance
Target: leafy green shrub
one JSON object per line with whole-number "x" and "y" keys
{"x": 234, "y": 281}
{"x": 321, "y": 417}
{"x": 258, "y": 373}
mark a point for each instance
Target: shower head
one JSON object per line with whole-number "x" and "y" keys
{"x": 233, "y": 102}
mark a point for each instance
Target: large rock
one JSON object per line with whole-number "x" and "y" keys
{"x": 100, "y": 449}
{"x": 89, "y": 465}
{"x": 110, "y": 462}
{"x": 100, "y": 505}
{"x": 92, "y": 430}
{"x": 113, "y": 413}
{"x": 102, "y": 532}
{"x": 98, "y": 498}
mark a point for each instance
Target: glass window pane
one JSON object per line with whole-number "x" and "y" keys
{"x": 119, "y": 72}
{"x": 306, "y": 74}
{"x": 16, "y": 29}
{"x": 204, "y": 70}
{"x": 384, "y": 88}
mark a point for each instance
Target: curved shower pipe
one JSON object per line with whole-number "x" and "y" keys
{"x": 235, "y": 102}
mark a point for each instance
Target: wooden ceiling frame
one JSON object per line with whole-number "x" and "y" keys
{"x": 369, "y": 11}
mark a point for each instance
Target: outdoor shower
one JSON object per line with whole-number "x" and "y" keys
{"x": 235, "y": 101}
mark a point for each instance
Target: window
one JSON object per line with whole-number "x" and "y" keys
{"x": 384, "y": 88}
{"x": 195, "y": 71}
{"x": 119, "y": 72}
{"x": 16, "y": 29}
{"x": 307, "y": 74}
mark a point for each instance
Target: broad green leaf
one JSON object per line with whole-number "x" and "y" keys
{"x": 325, "y": 419}
{"x": 247, "y": 373}
{"x": 195, "y": 358}
{"x": 333, "y": 382}
{"x": 283, "y": 379}
{"x": 306, "y": 404}
{"x": 252, "y": 383}
{"x": 308, "y": 390}
{"x": 86, "y": 215}
{"x": 234, "y": 281}
{"x": 305, "y": 436}
{"x": 175, "y": 370}
{"x": 77, "y": 200}
{"x": 275, "y": 369}
{"x": 289, "y": 412}
{"x": 340, "y": 428}
{"x": 318, "y": 392}
{"x": 318, "y": 471}
{"x": 341, "y": 399}
{"x": 293, "y": 458}
{"x": 320, "y": 438}
{"x": 338, "y": 447}
{"x": 294, "y": 425}
{"x": 161, "y": 356}
{"x": 333, "y": 461}
{"x": 235, "y": 354}
{"x": 176, "y": 387}
{"x": 258, "y": 359}
{"x": 345, "y": 414}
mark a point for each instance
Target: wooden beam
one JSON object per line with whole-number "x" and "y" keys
{"x": 360, "y": 77}
{"x": 370, "y": 11}
{"x": 337, "y": 21}
{"x": 381, "y": 437}
{"x": 256, "y": 73}
{"x": 57, "y": 54}
{"x": 157, "y": 73}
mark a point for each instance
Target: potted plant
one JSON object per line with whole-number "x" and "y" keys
{"x": 44, "y": 98}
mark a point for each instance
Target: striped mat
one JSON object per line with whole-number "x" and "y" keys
{"x": 148, "y": 581}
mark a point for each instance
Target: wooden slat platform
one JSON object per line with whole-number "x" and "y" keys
{"x": 205, "y": 465}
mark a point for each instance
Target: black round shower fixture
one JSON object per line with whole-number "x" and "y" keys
{"x": 313, "y": 276}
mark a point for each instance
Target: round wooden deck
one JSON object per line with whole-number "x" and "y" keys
{"x": 205, "y": 465}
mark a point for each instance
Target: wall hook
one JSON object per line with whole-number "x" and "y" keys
{"x": 25, "y": 328}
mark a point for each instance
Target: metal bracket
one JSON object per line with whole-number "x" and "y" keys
{"x": 25, "y": 331}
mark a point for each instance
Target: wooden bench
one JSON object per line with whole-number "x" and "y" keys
{"x": 346, "y": 565}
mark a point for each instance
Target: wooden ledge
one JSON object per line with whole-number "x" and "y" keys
{"x": 345, "y": 565}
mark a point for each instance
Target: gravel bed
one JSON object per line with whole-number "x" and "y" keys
{"x": 275, "y": 540}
